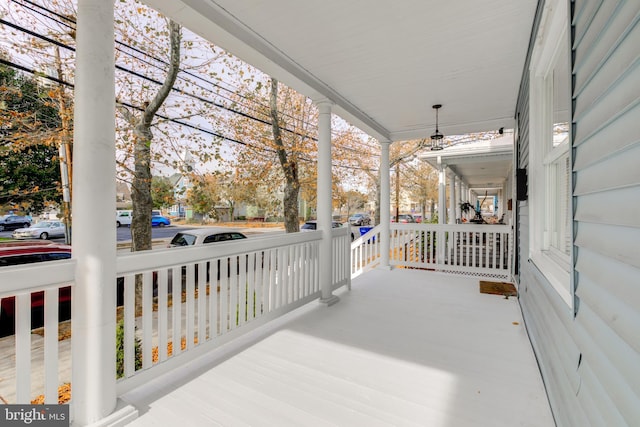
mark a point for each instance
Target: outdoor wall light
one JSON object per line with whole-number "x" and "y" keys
{"x": 437, "y": 138}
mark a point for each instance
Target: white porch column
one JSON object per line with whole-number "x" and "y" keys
{"x": 385, "y": 205}
{"x": 458, "y": 199}
{"x": 324, "y": 201}
{"x": 442, "y": 192}
{"x": 452, "y": 199}
{"x": 94, "y": 202}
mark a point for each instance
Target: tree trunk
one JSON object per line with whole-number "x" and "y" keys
{"x": 141, "y": 185}
{"x": 377, "y": 211}
{"x": 290, "y": 202}
{"x": 141, "y": 192}
{"x": 289, "y": 167}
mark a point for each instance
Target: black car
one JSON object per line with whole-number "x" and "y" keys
{"x": 313, "y": 225}
{"x": 13, "y": 222}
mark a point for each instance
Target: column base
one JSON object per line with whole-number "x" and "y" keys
{"x": 122, "y": 415}
{"x": 329, "y": 301}
{"x": 384, "y": 267}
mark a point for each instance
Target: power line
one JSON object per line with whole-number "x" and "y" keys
{"x": 179, "y": 122}
{"x": 162, "y": 61}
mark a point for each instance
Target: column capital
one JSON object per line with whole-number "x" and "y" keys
{"x": 324, "y": 105}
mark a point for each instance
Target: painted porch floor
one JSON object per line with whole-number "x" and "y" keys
{"x": 403, "y": 348}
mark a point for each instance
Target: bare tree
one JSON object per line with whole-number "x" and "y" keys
{"x": 143, "y": 136}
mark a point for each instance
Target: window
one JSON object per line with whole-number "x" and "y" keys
{"x": 550, "y": 150}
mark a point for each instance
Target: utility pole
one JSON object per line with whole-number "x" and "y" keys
{"x": 65, "y": 154}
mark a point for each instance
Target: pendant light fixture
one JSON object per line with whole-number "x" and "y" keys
{"x": 437, "y": 138}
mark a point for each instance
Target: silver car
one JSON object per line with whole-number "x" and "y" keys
{"x": 41, "y": 230}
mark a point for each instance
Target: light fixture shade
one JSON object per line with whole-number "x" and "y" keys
{"x": 437, "y": 138}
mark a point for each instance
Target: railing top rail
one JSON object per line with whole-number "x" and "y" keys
{"x": 163, "y": 258}
{"x": 455, "y": 227}
{"x": 36, "y": 277}
{"x": 368, "y": 235}
{"x": 341, "y": 231}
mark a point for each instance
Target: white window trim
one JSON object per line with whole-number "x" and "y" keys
{"x": 553, "y": 264}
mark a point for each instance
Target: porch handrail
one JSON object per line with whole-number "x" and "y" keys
{"x": 483, "y": 249}
{"x": 365, "y": 251}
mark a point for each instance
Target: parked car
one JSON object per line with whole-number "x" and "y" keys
{"x": 123, "y": 218}
{"x": 12, "y": 222}
{"x": 18, "y": 253}
{"x": 160, "y": 221}
{"x": 205, "y": 235}
{"x": 41, "y": 230}
{"x": 404, "y": 218}
{"x": 313, "y": 225}
{"x": 360, "y": 219}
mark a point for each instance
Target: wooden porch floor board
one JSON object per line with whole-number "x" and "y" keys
{"x": 404, "y": 347}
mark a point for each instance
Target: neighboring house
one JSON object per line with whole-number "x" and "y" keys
{"x": 181, "y": 183}
{"x": 123, "y": 195}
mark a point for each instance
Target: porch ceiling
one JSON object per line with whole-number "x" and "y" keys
{"x": 383, "y": 64}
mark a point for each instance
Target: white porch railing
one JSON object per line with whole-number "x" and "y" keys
{"x": 19, "y": 285}
{"x": 223, "y": 291}
{"x": 365, "y": 252}
{"x": 483, "y": 250}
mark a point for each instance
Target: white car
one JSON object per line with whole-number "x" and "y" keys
{"x": 205, "y": 235}
{"x": 41, "y": 230}
{"x": 123, "y": 218}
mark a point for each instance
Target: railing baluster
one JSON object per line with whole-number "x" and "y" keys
{"x": 129, "y": 326}
{"x": 214, "y": 298}
{"x": 190, "y": 305}
{"x": 51, "y": 302}
{"x": 224, "y": 295}
{"x": 202, "y": 301}
{"x": 176, "y": 310}
{"x": 243, "y": 296}
{"x": 271, "y": 284}
{"x": 251, "y": 282}
{"x": 163, "y": 326}
{"x": 147, "y": 319}
{"x": 23, "y": 347}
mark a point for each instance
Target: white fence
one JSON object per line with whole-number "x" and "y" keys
{"x": 483, "y": 250}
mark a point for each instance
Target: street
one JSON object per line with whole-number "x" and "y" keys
{"x": 157, "y": 233}
{"x": 124, "y": 233}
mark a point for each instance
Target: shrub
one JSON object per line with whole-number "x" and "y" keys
{"x": 120, "y": 351}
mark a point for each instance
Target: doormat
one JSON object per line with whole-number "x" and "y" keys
{"x": 498, "y": 288}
